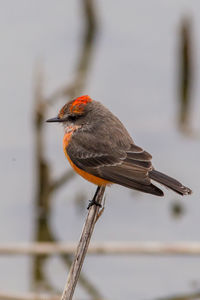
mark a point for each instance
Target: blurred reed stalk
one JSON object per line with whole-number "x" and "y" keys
{"x": 45, "y": 185}
{"x": 185, "y": 74}
{"x": 84, "y": 60}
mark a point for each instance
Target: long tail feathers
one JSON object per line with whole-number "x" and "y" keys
{"x": 169, "y": 182}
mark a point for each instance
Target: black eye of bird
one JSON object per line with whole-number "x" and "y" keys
{"x": 72, "y": 118}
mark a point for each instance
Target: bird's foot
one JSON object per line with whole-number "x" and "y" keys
{"x": 93, "y": 202}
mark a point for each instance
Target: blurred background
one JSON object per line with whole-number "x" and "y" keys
{"x": 139, "y": 58}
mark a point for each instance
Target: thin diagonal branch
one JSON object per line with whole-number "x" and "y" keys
{"x": 61, "y": 180}
{"x": 82, "y": 248}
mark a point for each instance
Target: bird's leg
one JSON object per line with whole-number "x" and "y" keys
{"x": 93, "y": 201}
{"x": 101, "y": 210}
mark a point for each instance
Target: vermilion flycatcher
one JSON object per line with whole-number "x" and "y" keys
{"x": 100, "y": 149}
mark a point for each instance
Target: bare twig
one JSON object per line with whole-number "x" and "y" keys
{"x": 29, "y": 296}
{"x": 36, "y": 296}
{"x": 82, "y": 247}
{"x": 104, "y": 248}
{"x": 61, "y": 180}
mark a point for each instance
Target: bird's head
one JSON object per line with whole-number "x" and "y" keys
{"x": 74, "y": 112}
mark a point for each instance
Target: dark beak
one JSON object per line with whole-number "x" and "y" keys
{"x": 56, "y": 119}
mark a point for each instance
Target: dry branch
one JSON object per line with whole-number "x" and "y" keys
{"x": 82, "y": 248}
{"x": 36, "y": 296}
{"x": 104, "y": 248}
{"x": 62, "y": 180}
{"x": 29, "y": 296}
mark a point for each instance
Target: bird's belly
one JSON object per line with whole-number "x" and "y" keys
{"x": 94, "y": 179}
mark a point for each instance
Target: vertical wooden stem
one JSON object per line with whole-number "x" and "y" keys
{"x": 82, "y": 247}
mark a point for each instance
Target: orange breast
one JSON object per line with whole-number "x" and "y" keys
{"x": 94, "y": 179}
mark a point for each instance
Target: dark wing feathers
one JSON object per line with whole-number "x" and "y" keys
{"x": 128, "y": 167}
{"x": 140, "y": 163}
{"x": 142, "y": 183}
{"x": 127, "y": 172}
{"x": 95, "y": 161}
{"x": 135, "y": 149}
{"x": 138, "y": 153}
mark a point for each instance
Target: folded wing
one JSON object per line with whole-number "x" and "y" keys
{"x": 128, "y": 167}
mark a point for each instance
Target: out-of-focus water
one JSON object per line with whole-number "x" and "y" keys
{"x": 134, "y": 73}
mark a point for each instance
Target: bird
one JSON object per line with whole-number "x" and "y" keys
{"x": 100, "y": 149}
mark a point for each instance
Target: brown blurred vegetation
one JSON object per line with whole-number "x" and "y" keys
{"x": 46, "y": 186}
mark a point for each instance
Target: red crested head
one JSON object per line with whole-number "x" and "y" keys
{"x": 76, "y": 106}
{"x": 75, "y": 111}
{"x": 82, "y": 100}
